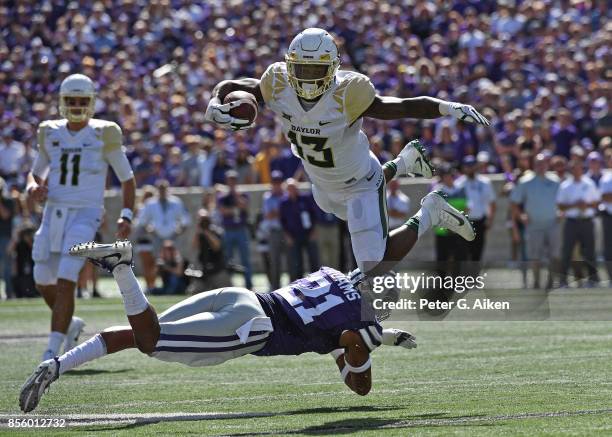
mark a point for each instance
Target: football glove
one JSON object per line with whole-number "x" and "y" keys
{"x": 463, "y": 112}
{"x": 220, "y": 114}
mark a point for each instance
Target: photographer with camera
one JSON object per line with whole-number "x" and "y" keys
{"x": 208, "y": 242}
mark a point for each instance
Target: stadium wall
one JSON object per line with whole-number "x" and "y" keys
{"x": 497, "y": 249}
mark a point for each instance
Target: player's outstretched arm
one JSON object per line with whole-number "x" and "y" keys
{"x": 219, "y": 113}
{"x": 393, "y": 108}
{"x": 357, "y": 356}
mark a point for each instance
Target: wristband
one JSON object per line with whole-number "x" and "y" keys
{"x": 336, "y": 353}
{"x": 127, "y": 214}
{"x": 365, "y": 366}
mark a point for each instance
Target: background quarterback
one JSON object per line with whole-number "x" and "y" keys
{"x": 70, "y": 174}
{"x": 321, "y": 110}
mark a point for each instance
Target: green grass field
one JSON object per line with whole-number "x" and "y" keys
{"x": 465, "y": 378}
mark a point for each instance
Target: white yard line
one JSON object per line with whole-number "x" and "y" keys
{"x": 144, "y": 418}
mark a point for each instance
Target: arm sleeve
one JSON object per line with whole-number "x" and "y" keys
{"x": 40, "y": 167}
{"x": 113, "y": 153}
{"x": 359, "y": 95}
{"x": 120, "y": 164}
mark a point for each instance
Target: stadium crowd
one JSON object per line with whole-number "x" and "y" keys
{"x": 538, "y": 70}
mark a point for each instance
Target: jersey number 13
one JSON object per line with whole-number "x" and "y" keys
{"x": 317, "y": 144}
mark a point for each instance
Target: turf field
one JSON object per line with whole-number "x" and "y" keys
{"x": 465, "y": 378}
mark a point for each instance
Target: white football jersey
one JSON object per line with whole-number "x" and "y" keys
{"x": 328, "y": 137}
{"x": 77, "y": 161}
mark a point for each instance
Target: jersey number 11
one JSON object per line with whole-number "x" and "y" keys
{"x": 75, "y": 161}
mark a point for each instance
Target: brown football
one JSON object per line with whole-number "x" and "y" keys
{"x": 245, "y": 111}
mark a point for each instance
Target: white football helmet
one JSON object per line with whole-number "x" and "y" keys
{"x": 312, "y": 61}
{"x": 77, "y": 85}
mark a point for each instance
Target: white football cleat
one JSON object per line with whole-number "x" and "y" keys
{"x": 37, "y": 383}
{"x": 74, "y": 332}
{"x": 397, "y": 337}
{"x": 107, "y": 256}
{"x": 415, "y": 159}
{"x": 447, "y": 216}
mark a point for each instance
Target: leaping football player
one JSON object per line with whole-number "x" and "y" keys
{"x": 69, "y": 173}
{"x": 320, "y": 313}
{"x": 321, "y": 110}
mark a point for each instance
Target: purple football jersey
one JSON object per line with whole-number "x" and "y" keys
{"x": 310, "y": 314}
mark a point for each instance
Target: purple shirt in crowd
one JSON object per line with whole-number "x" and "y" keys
{"x": 298, "y": 216}
{"x": 563, "y": 138}
{"x": 238, "y": 218}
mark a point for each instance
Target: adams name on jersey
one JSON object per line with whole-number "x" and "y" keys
{"x": 327, "y": 138}
{"x": 77, "y": 162}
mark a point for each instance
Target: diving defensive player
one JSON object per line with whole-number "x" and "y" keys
{"x": 320, "y": 313}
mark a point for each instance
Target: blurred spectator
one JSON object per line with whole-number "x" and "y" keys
{"x": 208, "y": 242}
{"x": 398, "y": 205}
{"x": 171, "y": 267}
{"x": 578, "y": 198}
{"x": 163, "y": 217}
{"x": 533, "y": 202}
{"x": 190, "y": 165}
{"x": 12, "y": 153}
{"x": 328, "y": 238}
{"x": 244, "y": 165}
{"x": 143, "y": 239}
{"x": 564, "y": 133}
{"x": 298, "y": 216}
{"x": 234, "y": 208}
{"x": 595, "y": 164}
{"x": 23, "y": 265}
{"x": 559, "y": 166}
{"x": 7, "y": 213}
{"x": 271, "y": 225}
{"x": 480, "y": 205}
{"x": 606, "y": 211}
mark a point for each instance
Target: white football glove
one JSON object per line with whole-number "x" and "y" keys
{"x": 220, "y": 114}
{"x": 463, "y": 112}
{"x": 397, "y": 337}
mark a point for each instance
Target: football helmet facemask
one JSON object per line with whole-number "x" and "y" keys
{"x": 77, "y": 98}
{"x": 312, "y": 61}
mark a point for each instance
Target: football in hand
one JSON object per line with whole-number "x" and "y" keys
{"x": 246, "y": 110}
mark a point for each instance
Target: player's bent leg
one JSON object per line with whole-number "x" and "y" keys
{"x": 117, "y": 258}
